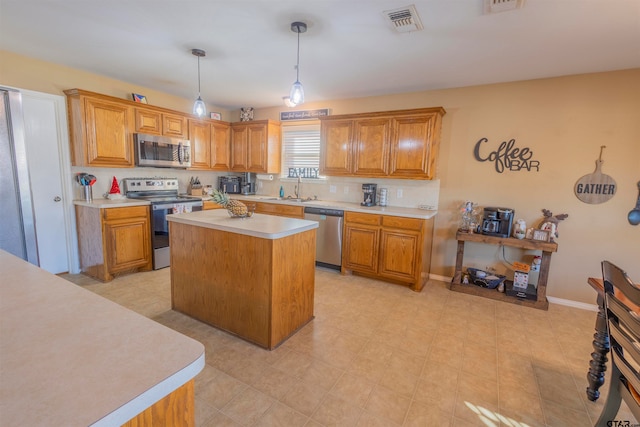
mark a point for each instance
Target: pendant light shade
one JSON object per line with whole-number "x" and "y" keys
{"x": 199, "y": 108}
{"x": 296, "y": 96}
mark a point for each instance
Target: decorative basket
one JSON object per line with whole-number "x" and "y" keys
{"x": 484, "y": 279}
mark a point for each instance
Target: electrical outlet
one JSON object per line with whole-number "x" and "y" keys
{"x": 332, "y": 189}
{"x": 346, "y": 190}
{"x": 399, "y": 193}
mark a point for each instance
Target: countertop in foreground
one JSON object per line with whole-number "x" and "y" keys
{"x": 70, "y": 357}
{"x": 259, "y": 225}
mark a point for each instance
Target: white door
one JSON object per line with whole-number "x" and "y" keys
{"x": 45, "y": 137}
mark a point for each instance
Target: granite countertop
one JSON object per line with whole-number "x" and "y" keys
{"x": 107, "y": 203}
{"x": 73, "y": 358}
{"x": 346, "y": 206}
{"x": 259, "y": 225}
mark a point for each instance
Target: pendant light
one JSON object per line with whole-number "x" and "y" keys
{"x": 199, "y": 109}
{"x": 297, "y": 92}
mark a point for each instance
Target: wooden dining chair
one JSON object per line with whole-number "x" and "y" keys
{"x": 622, "y": 304}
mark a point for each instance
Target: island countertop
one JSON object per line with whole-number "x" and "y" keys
{"x": 72, "y": 358}
{"x": 259, "y": 225}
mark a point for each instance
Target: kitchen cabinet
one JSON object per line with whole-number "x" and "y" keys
{"x": 100, "y": 130}
{"x": 547, "y": 248}
{"x": 220, "y": 146}
{"x": 156, "y": 122}
{"x": 255, "y": 146}
{"x": 390, "y": 144}
{"x": 113, "y": 240}
{"x": 208, "y": 204}
{"x": 386, "y": 247}
{"x": 280, "y": 210}
{"x": 200, "y": 138}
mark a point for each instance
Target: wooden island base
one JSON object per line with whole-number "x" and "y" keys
{"x": 260, "y": 289}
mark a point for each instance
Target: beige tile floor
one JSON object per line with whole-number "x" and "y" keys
{"x": 378, "y": 354}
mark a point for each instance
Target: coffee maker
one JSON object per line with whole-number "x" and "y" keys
{"x": 497, "y": 222}
{"x": 369, "y": 191}
{"x": 248, "y": 183}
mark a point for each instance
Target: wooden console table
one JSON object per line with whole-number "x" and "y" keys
{"x": 547, "y": 249}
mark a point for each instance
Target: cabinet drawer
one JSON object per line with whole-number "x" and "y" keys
{"x": 282, "y": 210}
{"x": 128, "y": 212}
{"x": 208, "y": 204}
{"x": 401, "y": 222}
{"x": 360, "y": 218}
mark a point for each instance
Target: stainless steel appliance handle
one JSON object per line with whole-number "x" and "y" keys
{"x": 180, "y": 153}
{"x": 171, "y": 205}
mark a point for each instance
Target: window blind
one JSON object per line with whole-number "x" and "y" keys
{"x": 301, "y": 150}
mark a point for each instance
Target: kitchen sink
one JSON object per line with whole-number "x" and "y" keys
{"x": 294, "y": 199}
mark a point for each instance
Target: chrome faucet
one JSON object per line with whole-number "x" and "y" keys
{"x": 298, "y": 186}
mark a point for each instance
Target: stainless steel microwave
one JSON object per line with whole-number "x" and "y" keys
{"x": 162, "y": 151}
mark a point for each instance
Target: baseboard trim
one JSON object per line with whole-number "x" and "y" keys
{"x": 554, "y": 300}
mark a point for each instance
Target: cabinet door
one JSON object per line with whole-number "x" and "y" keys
{"x": 280, "y": 210}
{"x": 257, "y": 148}
{"x": 412, "y": 153}
{"x": 108, "y": 133}
{"x": 220, "y": 147}
{"x": 360, "y": 251}
{"x": 371, "y": 147}
{"x": 174, "y": 125}
{"x": 239, "y": 148}
{"x": 127, "y": 243}
{"x": 148, "y": 121}
{"x": 200, "y": 137}
{"x": 335, "y": 147}
{"x": 400, "y": 255}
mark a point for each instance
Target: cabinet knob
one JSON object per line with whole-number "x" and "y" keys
{"x": 57, "y": 199}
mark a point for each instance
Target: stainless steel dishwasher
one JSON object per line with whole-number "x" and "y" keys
{"x": 328, "y": 235}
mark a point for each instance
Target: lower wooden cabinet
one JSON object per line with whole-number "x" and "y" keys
{"x": 114, "y": 240}
{"x": 280, "y": 210}
{"x": 391, "y": 248}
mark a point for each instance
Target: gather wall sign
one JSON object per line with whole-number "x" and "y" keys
{"x": 507, "y": 156}
{"x": 596, "y": 187}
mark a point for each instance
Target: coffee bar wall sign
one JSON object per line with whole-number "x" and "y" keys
{"x": 595, "y": 187}
{"x": 506, "y": 156}
{"x": 303, "y": 114}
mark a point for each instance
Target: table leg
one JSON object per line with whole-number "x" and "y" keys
{"x": 457, "y": 276}
{"x": 601, "y": 346}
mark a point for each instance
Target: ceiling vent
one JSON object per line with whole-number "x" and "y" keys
{"x": 404, "y": 19}
{"x": 494, "y": 6}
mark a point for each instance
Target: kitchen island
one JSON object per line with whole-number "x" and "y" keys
{"x": 252, "y": 277}
{"x": 69, "y": 357}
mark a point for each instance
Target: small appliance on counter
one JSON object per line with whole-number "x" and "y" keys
{"x": 383, "y": 197}
{"x": 229, "y": 184}
{"x": 369, "y": 191}
{"x": 248, "y": 183}
{"x": 497, "y": 221}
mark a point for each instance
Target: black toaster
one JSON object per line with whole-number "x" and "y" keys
{"x": 229, "y": 184}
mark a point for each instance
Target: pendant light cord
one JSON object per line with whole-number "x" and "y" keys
{"x": 198, "y": 76}
{"x": 298, "y": 61}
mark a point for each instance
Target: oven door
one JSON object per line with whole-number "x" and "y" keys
{"x": 160, "y": 230}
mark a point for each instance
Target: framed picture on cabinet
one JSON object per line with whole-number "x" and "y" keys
{"x": 541, "y": 235}
{"x": 139, "y": 98}
{"x": 216, "y": 116}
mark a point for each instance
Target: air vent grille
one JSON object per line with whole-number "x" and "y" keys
{"x": 404, "y": 19}
{"x": 494, "y": 6}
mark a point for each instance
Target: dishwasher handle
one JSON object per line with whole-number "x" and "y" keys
{"x": 323, "y": 211}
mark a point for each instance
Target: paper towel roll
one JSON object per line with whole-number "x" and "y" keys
{"x": 265, "y": 177}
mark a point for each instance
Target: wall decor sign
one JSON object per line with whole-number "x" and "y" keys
{"x": 595, "y": 187}
{"x": 507, "y": 156}
{"x": 303, "y": 114}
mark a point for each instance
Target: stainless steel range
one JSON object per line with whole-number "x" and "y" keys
{"x": 162, "y": 194}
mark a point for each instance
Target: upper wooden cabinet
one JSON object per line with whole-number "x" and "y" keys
{"x": 200, "y": 138}
{"x": 155, "y": 122}
{"x": 209, "y": 144}
{"x": 255, "y": 146}
{"x": 220, "y": 146}
{"x": 392, "y": 144}
{"x": 100, "y": 130}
